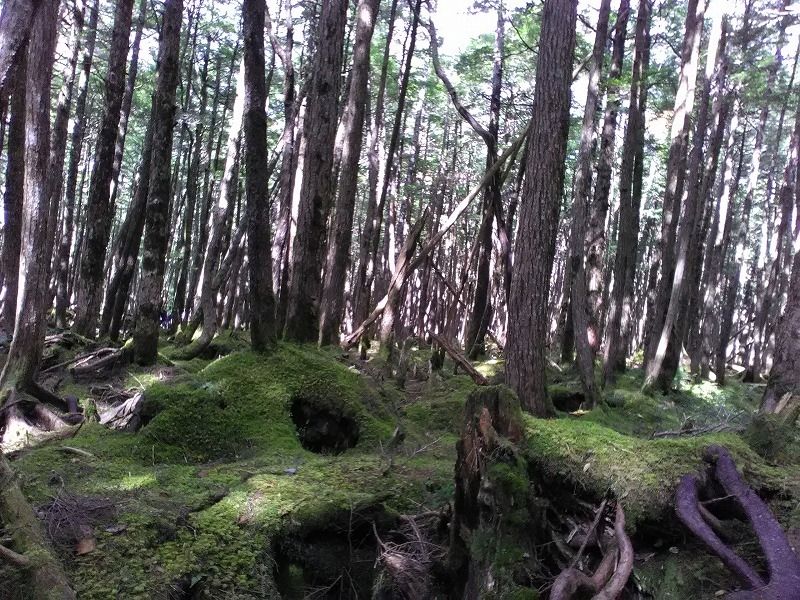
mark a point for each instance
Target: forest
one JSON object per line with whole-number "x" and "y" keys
{"x": 400, "y": 299}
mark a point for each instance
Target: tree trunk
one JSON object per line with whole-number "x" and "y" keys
{"x": 220, "y": 215}
{"x": 156, "y": 231}
{"x": 596, "y": 231}
{"x": 663, "y": 365}
{"x": 15, "y": 24}
{"x": 90, "y": 282}
{"x": 579, "y": 330}
{"x": 630, "y": 195}
{"x": 58, "y": 143}
{"x": 262, "y": 301}
{"x": 46, "y": 576}
{"x": 782, "y": 395}
{"x": 14, "y": 194}
{"x": 319, "y": 131}
{"x": 538, "y": 219}
{"x": 675, "y": 177}
{"x": 333, "y": 301}
{"x": 73, "y": 165}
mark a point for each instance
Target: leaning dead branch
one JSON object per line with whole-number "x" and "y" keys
{"x": 461, "y": 360}
{"x": 352, "y": 339}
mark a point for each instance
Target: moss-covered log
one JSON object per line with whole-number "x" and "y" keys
{"x": 43, "y": 572}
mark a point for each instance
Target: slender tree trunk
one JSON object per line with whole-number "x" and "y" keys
{"x": 372, "y": 219}
{"x": 127, "y": 101}
{"x": 280, "y": 245}
{"x": 262, "y": 301}
{"x": 333, "y": 301}
{"x": 319, "y": 130}
{"x": 192, "y": 190}
{"x": 90, "y": 282}
{"x": 58, "y": 143}
{"x": 663, "y": 365}
{"x": 596, "y": 231}
{"x": 220, "y": 215}
{"x": 538, "y": 219}
{"x": 15, "y": 24}
{"x": 73, "y": 166}
{"x": 675, "y": 179}
{"x": 13, "y": 195}
{"x": 576, "y": 320}
{"x": 156, "y": 233}
{"x": 630, "y": 194}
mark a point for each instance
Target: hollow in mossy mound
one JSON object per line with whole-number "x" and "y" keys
{"x": 245, "y": 403}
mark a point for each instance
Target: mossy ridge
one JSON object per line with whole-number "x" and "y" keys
{"x": 643, "y": 472}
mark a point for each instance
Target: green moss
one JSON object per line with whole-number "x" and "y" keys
{"x": 218, "y": 473}
{"x": 597, "y": 459}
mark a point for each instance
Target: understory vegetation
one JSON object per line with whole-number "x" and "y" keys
{"x": 217, "y": 497}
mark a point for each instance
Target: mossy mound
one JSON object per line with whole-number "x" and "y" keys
{"x": 218, "y": 474}
{"x": 240, "y": 405}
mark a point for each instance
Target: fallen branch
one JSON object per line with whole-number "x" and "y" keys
{"x": 461, "y": 360}
{"x": 17, "y": 560}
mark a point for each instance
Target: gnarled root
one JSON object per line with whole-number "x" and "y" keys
{"x": 100, "y": 362}
{"x": 33, "y": 414}
{"x": 607, "y": 581}
{"x": 783, "y": 565}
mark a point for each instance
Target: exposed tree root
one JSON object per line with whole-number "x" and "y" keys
{"x": 101, "y": 362}
{"x": 607, "y": 582}
{"x": 27, "y": 416}
{"x": 783, "y": 565}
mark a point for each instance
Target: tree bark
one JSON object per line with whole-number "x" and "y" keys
{"x": 596, "y": 230}
{"x": 319, "y": 131}
{"x": 630, "y": 195}
{"x": 675, "y": 177}
{"x": 73, "y": 166}
{"x": 13, "y": 196}
{"x": 538, "y": 219}
{"x": 58, "y": 143}
{"x": 220, "y": 215}
{"x": 127, "y": 101}
{"x": 782, "y": 394}
{"x": 262, "y": 301}
{"x": 15, "y": 24}
{"x": 333, "y": 301}
{"x": 156, "y": 231}
{"x": 46, "y": 576}
{"x": 90, "y": 282}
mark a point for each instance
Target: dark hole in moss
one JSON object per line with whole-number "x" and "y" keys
{"x": 323, "y": 429}
{"x": 567, "y": 400}
{"x": 334, "y": 561}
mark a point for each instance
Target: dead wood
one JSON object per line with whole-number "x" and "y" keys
{"x": 461, "y": 360}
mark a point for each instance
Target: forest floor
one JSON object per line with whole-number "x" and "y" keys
{"x": 270, "y": 476}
